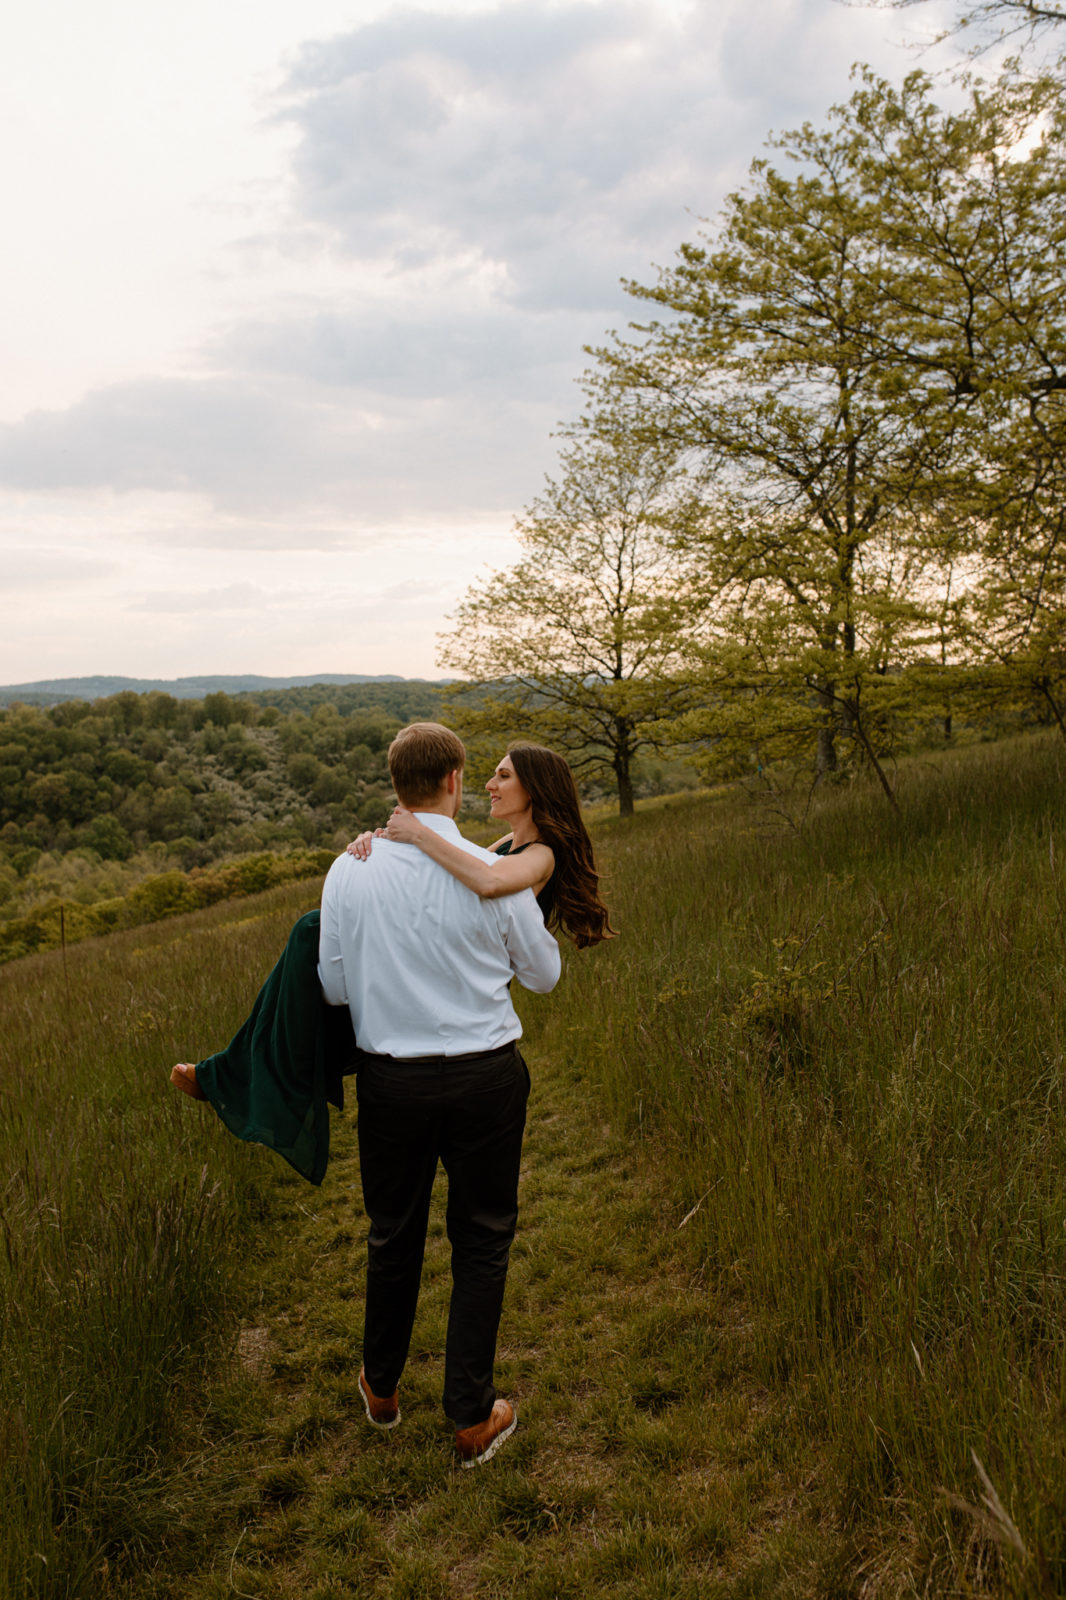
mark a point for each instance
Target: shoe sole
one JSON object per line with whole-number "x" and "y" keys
{"x": 373, "y": 1421}
{"x": 491, "y": 1449}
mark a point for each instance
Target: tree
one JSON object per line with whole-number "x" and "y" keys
{"x": 866, "y": 360}
{"x": 974, "y": 319}
{"x": 580, "y": 644}
{"x": 825, "y": 540}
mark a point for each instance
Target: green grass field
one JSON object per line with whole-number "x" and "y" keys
{"x": 787, "y": 1303}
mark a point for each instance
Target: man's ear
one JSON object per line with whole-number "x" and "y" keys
{"x": 452, "y": 778}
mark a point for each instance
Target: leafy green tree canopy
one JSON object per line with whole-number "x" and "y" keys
{"x": 865, "y": 359}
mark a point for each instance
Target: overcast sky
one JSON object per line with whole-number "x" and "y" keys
{"x": 294, "y": 293}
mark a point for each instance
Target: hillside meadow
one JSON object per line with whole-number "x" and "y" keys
{"x": 831, "y": 1039}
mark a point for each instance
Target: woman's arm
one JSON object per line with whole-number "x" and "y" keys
{"x": 489, "y": 879}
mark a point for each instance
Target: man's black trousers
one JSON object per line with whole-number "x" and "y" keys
{"x": 469, "y": 1114}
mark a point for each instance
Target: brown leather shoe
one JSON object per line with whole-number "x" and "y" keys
{"x": 478, "y": 1443}
{"x": 382, "y": 1413}
{"x": 183, "y": 1077}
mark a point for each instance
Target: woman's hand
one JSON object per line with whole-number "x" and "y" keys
{"x": 405, "y": 828}
{"x": 361, "y": 846}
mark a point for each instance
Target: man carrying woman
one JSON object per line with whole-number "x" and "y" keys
{"x": 424, "y": 967}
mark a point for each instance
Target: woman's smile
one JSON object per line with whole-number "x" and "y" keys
{"x": 506, "y": 795}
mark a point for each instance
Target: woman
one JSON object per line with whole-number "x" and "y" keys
{"x": 533, "y": 792}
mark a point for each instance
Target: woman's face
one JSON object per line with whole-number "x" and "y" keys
{"x": 508, "y": 799}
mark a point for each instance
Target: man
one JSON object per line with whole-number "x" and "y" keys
{"x": 424, "y": 966}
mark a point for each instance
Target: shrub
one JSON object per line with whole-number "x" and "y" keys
{"x": 107, "y": 836}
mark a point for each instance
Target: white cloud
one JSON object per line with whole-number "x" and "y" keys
{"x": 566, "y": 143}
{"x": 559, "y": 142}
{"x": 487, "y": 177}
{"x": 416, "y": 348}
{"x": 283, "y": 319}
{"x": 249, "y": 445}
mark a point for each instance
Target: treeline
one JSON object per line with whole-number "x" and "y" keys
{"x": 815, "y": 510}
{"x": 407, "y": 700}
{"x": 54, "y": 691}
{"x": 99, "y": 796}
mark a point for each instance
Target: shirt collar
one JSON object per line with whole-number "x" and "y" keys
{"x": 439, "y": 823}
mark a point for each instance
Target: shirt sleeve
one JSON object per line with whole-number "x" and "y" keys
{"x": 330, "y": 960}
{"x": 533, "y": 953}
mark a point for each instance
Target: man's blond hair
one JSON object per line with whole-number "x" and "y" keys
{"x": 420, "y": 759}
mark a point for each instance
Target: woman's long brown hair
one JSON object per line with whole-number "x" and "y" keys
{"x": 573, "y": 897}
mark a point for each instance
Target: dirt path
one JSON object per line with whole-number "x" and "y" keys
{"x": 644, "y": 1464}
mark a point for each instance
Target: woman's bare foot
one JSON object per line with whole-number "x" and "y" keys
{"x": 183, "y": 1077}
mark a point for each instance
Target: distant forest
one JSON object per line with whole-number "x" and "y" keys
{"x": 53, "y": 691}
{"x": 96, "y": 796}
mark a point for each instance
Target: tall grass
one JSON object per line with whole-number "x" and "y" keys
{"x": 843, "y": 1042}
{"x": 122, "y": 1224}
{"x": 847, "y": 1041}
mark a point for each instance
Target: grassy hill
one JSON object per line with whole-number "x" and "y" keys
{"x": 829, "y": 1051}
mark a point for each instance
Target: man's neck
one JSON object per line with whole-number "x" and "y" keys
{"x": 445, "y": 803}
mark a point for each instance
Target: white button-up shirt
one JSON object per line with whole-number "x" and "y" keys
{"x": 422, "y": 962}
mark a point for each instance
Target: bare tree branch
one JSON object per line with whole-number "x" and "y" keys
{"x": 1008, "y": 18}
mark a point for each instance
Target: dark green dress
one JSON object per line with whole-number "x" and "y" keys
{"x": 272, "y": 1082}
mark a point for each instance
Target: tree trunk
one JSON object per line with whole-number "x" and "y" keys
{"x": 622, "y": 756}
{"x": 625, "y": 793}
{"x": 871, "y": 757}
{"x": 826, "y": 760}
{"x": 1056, "y": 711}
